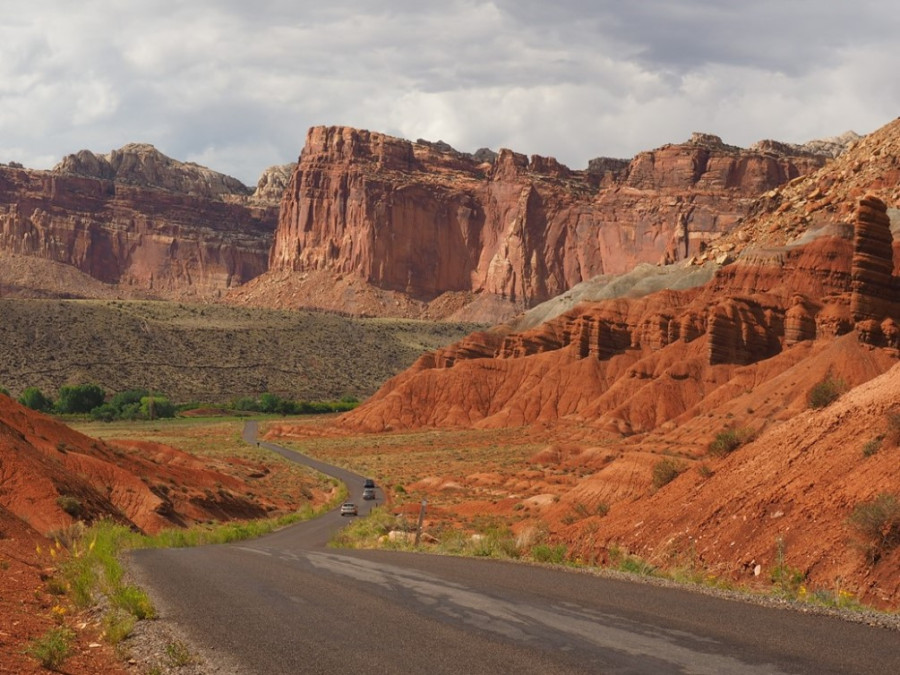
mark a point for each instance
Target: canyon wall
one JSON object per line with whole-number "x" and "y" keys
{"x": 135, "y": 219}
{"x": 422, "y": 219}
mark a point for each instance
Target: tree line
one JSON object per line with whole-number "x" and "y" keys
{"x": 138, "y": 404}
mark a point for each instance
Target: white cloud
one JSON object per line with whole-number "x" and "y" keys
{"x": 235, "y": 85}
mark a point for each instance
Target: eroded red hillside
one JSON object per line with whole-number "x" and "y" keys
{"x": 53, "y": 478}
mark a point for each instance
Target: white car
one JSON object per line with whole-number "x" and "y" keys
{"x": 349, "y": 509}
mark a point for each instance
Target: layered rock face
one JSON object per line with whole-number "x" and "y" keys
{"x": 138, "y": 220}
{"x": 422, "y": 219}
{"x": 607, "y": 361}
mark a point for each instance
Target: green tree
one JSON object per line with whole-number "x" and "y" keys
{"x": 127, "y": 404}
{"x": 79, "y": 398}
{"x": 105, "y": 413}
{"x": 247, "y": 403}
{"x": 153, "y": 407}
{"x": 270, "y": 403}
{"x": 125, "y": 398}
{"x": 34, "y": 398}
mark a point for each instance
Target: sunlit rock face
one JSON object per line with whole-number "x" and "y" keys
{"x": 422, "y": 219}
{"x": 138, "y": 220}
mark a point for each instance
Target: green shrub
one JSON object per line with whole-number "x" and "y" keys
{"x": 729, "y": 440}
{"x": 872, "y": 446}
{"x": 53, "y": 648}
{"x": 877, "y": 525}
{"x": 34, "y": 398}
{"x": 79, "y": 398}
{"x": 134, "y": 404}
{"x": 665, "y": 471}
{"x": 270, "y": 403}
{"x": 105, "y": 413}
{"x": 70, "y": 505}
{"x": 244, "y": 403}
{"x": 127, "y": 397}
{"x": 826, "y": 392}
{"x": 155, "y": 407}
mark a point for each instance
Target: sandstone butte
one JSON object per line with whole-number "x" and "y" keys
{"x": 376, "y": 225}
{"x": 133, "y": 223}
{"x": 614, "y": 386}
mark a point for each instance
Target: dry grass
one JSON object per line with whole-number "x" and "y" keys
{"x": 206, "y": 353}
{"x": 218, "y": 439}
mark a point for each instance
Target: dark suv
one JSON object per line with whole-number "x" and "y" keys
{"x": 369, "y": 483}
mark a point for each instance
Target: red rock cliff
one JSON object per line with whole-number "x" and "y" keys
{"x": 139, "y": 220}
{"x": 422, "y": 219}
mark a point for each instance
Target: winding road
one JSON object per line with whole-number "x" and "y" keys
{"x": 286, "y": 603}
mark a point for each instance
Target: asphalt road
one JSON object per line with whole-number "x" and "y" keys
{"x": 286, "y": 603}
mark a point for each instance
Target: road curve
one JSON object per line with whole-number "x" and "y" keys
{"x": 286, "y": 603}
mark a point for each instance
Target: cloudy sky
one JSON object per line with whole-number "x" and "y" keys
{"x": 234, "y": 85}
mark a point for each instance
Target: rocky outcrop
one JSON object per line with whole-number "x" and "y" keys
{"x": 143, "y": 165}
{"x": 272, "y": 183}
{"x": 142, "y": 222}
{"x": 423, "y": 219}
{"x": 833, "y": 146}
{"x": 872, "y": 286}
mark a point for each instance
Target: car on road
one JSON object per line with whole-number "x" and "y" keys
{"x": 368, "y": 493}
{"x": 369, "y": 483}
{"x": 349, "y": 509}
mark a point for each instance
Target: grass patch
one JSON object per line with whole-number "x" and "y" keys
{"x": 117, "y": 626}
{"x": 52, "y": 648}
{"x": 545, "y": 553}
{"x": 623, "y": 561}
{"x": 368, "y": 532}
{"x": 178, "y": 654}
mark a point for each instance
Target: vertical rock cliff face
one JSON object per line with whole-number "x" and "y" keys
{"x": 351, "y": 210}
{"x": 422, "y": 219}
{"x": 139, "y": 220}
